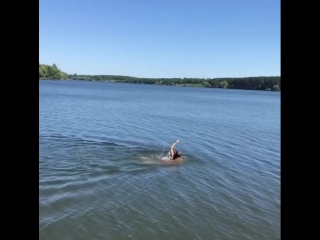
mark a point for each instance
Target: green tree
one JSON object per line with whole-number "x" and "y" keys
{"x": 275, "y": 88}
{"x": 223, "y": 84}
{"x": 51, "y": 72}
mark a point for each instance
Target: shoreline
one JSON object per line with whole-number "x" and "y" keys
{"x": 154, "y": 84}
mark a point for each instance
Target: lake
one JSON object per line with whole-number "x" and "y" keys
{"x": 101, "y": 175}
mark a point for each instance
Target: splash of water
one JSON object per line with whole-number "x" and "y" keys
{"x": 156, "y": 158}
{"x": 163, "y": 156}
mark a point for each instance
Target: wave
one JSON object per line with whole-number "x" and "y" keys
{"x": 83, "y": 140}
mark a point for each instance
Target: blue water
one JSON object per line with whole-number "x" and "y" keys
{"x": 100, "y": 177}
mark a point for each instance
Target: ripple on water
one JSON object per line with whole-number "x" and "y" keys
{"x": 94, "y": 185}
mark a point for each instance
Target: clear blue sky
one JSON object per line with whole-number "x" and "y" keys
{"x": 162, "y": 38}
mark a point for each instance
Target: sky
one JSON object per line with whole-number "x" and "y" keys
{"x": 161, "y": 38}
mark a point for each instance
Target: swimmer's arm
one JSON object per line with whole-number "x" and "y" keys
{"x": 171, "y": 148}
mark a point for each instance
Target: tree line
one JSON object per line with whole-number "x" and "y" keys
{"x": 270, "y": 83}
{"x": 51, "y": 72}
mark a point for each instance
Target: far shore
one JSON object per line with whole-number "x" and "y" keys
{"x": 160, "y": 84}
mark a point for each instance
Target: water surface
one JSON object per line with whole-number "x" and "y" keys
{"x": 96, "y": 184}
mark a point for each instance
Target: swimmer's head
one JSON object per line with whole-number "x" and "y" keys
{"x": 177, "y": 155}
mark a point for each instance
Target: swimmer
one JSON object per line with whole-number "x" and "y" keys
{"x": 175, "y": 157}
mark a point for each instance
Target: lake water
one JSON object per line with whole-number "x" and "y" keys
{"x": 101, "y": 177}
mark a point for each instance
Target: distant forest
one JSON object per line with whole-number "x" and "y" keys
{"x": 268, "y": 83}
